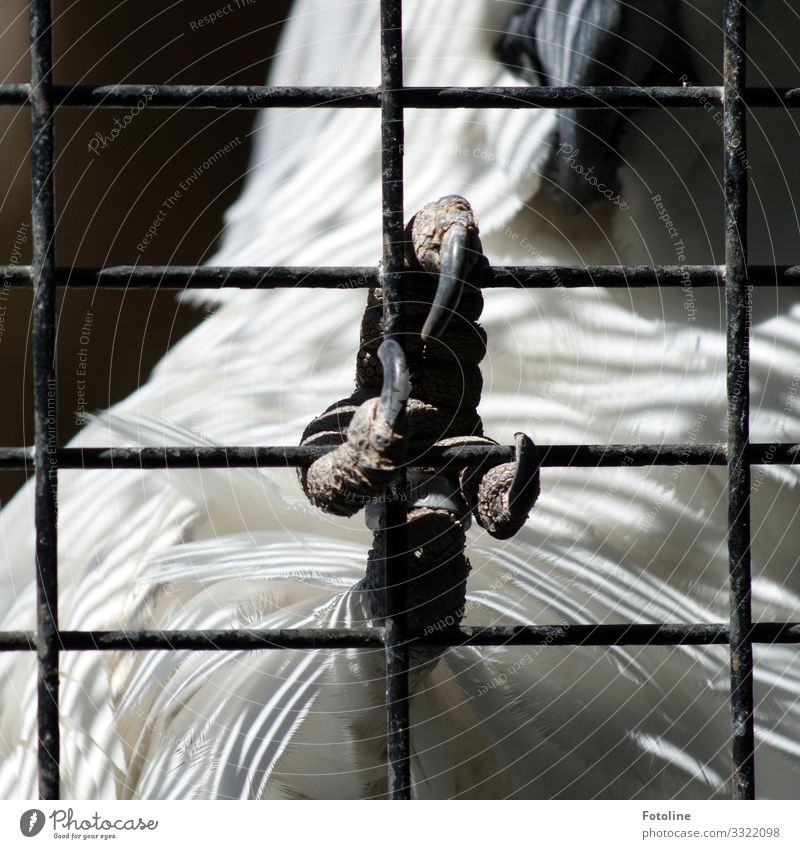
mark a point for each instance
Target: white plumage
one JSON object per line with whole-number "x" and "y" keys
{"x": 217, "y": 549}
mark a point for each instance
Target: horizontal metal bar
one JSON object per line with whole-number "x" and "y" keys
{"x": 180, "y": 277}
{"x": 640, "y": 634}
{"x": 411, "y": 97}
{"x": 17, "y": 641}
{"x": 282, "y": 456}
{"x": 15, "y": 94}
{"x": 230, "y": 640}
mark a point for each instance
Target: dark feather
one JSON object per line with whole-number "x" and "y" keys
{"x": 592, "y": 43}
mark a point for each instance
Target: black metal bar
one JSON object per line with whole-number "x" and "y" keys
{"x": 221, "y": 640}
{"x": 395, "y": 571}
{"x": 738, "y": 300}
{"x": 44, "y": 395}
{"x": 639, "y": 634}
{"x": 180, "y": 277}
{"x": 310, "y": 639}
{"x": 555, "y": 456}
{"x": 15, "y": 94}
{"x": 154, "y": 96}
{"x": 18, "y": 640}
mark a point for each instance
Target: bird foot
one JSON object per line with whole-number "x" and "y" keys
{"x": 506, "y": 493}
{"x": 371, "y": 437}
{"x": 361, "y": 467}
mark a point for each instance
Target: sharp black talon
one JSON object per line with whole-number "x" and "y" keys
{"x": 456, "y": 261}
{"x": 396, "y": 381}
{"x": 524, "y": 489}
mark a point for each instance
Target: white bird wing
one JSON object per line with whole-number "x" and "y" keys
{"x": 489, "y": 156}
{"x": 285, "y": 724}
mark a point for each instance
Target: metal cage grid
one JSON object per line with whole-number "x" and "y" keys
{"x": 391, "y": 97}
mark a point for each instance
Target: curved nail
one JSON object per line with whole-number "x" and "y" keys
{"x": 396, "y": 381}
{"x": 455, "y": 262}
{"x": 524, "y": 489}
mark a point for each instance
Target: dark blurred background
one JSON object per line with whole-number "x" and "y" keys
{"x": 106, "y": 200}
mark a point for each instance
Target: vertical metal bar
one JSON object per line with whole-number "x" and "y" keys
{"x": 738, "y": 300}
{"x": 44, "y": 394}
{"x": 396, "y": 537}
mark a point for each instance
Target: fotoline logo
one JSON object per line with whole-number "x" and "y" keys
{"x": 32, "y": 822}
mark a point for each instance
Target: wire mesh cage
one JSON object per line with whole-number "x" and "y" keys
{"x": 736, "y": 276}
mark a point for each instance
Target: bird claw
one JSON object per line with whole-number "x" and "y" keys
{"x": 374, "y": 445}
{"x": 455, "y": 263}
{"x": 377, "y": 433}
{"x": 396, "y": 382}
{"x": 506, "y": 493}
{"x": 524, "y": 489}
{"x": 444, "y": 238}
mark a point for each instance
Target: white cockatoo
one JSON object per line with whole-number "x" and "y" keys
{"x": 243, "y": 548}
